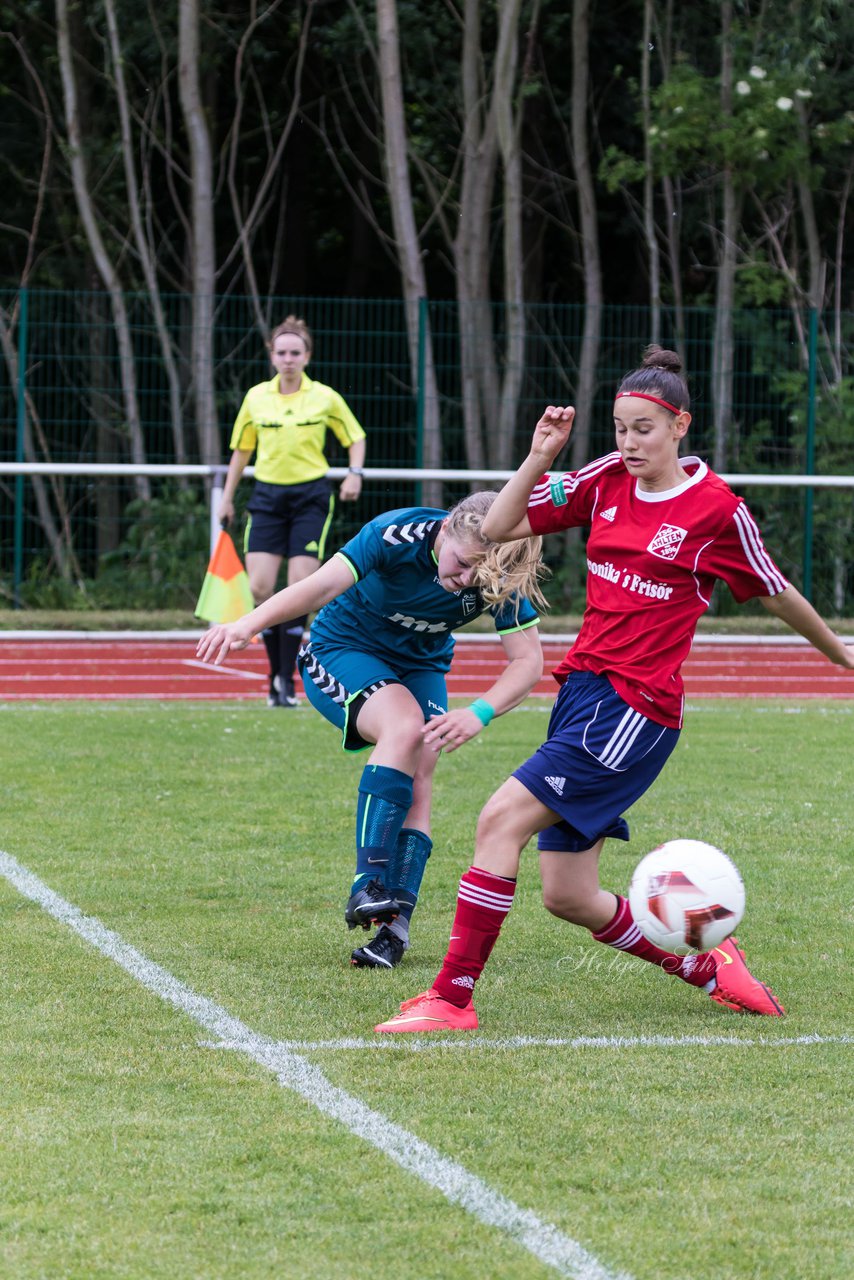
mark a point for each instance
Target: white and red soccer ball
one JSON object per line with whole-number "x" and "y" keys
{"x": 686, "y": 896}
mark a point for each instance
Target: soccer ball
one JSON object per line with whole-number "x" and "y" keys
{"x": 686, "y": 896}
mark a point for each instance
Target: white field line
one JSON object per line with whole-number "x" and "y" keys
{"x": 544, "y": 1241}
{"x": 418, "y": 1044}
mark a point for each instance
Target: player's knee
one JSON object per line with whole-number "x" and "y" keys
{"x": 496, "y": 817}
{"x": 261, "y": 589}
{"x": 567, "y": 902}
{"x": 404, "y": 729}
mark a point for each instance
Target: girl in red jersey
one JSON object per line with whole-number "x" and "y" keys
{"x": 662, "y": 530}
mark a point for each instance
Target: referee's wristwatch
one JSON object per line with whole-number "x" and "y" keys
{"x": 356, "y": 471}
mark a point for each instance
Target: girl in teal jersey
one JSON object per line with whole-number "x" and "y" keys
{"x": 375, "y": 667}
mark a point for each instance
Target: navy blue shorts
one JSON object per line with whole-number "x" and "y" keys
{"x": 338, "y": 682}
{"x": 289, "y": 519}
{"x": 599, "y": 758}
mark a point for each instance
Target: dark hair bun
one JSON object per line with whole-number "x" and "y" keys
{"x": 660, "y": 358}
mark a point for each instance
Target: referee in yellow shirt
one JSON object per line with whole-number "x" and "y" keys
{"x": 284, "y": 422}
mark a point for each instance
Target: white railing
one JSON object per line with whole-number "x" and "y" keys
{"x": 217, "y": 474}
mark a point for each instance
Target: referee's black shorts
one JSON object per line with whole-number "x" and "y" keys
{"x": 290, "y": 519}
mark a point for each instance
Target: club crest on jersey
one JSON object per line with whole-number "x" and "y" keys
{"x": 469, "y": 602}
{"x": 667, "y": 541}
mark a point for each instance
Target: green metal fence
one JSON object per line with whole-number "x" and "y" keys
{"x": 80, "y": 540}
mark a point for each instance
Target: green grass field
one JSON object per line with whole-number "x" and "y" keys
{"x": 687, "y": 1143}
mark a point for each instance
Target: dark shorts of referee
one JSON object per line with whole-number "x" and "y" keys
{"x": 290, "y": 519}
{"x": 599, "y": 758}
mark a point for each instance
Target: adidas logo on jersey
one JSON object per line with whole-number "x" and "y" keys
{"x": 556, "y": 784}
{"x": 609, "y": 514}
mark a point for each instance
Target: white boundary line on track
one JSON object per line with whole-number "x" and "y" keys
{"x": 225, "y": 671}
{"x": 540, "y": 1238}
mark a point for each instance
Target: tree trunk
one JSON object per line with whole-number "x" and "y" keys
{"x": 413, "y": 278}
{"x": 98, "y": 249}
{"x": 57, "y": 535}
{"x": 815, "y": 258}
{"x": 202, "y": 249}
{"x": 509, "y": 127}
{"x": 671, "y": 191}
{"x": 586, "y": 386}
{"x": 649, "y": 230}
{"x": 490, "y": 400}
{"x": 107, "y": 491}
{"x": 723, "y": 344}
{"x": 471, "y": 243}
{"x": 247, "y": 222}
{"x": 141, "y": 241}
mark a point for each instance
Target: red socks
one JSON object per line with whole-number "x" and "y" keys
{"x": 482, "y": 903}
{"x": 485, "y": 899}
{"x": 624, "y": 934}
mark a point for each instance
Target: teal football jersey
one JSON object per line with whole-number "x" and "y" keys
{"x": 397, "y": 606}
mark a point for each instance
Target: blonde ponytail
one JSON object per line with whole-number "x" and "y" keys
{"x": 506, "y": 569}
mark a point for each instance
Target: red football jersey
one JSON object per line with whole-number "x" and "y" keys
{"x": 652, "y": 560}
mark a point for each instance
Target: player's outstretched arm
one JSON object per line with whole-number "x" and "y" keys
{"x": 307, "y": 596}
{"x": 507, "y": 518}
{"x": 799, "y": 614}
{"x": 524, "y": 655}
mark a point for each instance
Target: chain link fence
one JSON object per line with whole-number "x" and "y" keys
{"x": 70, "y": 393}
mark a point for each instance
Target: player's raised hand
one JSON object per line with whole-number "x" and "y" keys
{"x": 552, "y": 431}
{"x": 216, "y": 643}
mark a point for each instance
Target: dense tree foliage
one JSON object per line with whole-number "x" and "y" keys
{"x": 491, "y": 153}
{"x": 291, "y": 100}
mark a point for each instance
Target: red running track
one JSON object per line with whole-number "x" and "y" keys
{"x": 163, "y": 669}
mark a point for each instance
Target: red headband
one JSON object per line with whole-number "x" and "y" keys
{"x": 641, "y": 395}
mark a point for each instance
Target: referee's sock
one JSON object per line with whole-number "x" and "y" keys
{"x": 290, "y": 639}
{"x": 385, "y": 798}
{"x": 270, "y": 636}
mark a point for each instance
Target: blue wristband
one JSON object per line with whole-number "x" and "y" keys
{"x": 483, "y": 711}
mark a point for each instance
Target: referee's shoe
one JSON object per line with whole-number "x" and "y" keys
{"x": 282, "y": 693}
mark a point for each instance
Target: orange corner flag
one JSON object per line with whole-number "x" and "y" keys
{"x": 225, "y": 594}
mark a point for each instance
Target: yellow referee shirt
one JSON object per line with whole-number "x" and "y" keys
{"x": 288, "y": 433}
